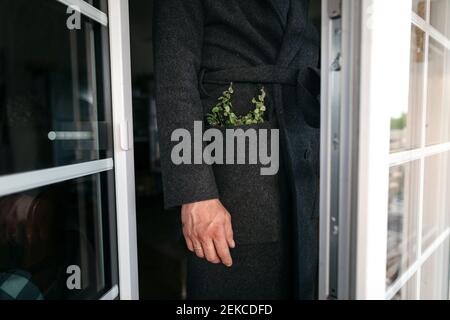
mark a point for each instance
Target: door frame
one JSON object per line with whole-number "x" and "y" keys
{"x": 384, "y": 24}
{"x": 341, "y": 43}
{"x": 355, "y": 140}
{"x": 116, "y": 17}
{"x": 119, "y": 31}
{"x": 123, "y": 163}
{"x": 373, "y": 78}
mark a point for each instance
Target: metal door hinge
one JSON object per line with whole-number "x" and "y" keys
{"x": 334, "y": 9}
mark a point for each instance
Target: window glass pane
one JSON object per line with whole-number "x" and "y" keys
{"x": 439, "y": 16}
{"x": 436, "y": 210}
{"x": 434, "y": 281}
{"x": 57, "y": 236}
{"x": 54, "y": 89}
{"x": 406, "y": 122}
{"x": 408, "y": 291}
{"x": 438, "y": 104}
{"x": 402, "y": 219}
{"x": 420, "y": 7}
{"x": 99, "y": 4}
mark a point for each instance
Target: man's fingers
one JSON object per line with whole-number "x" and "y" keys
{"x": 210, "y": 251}
{"x": 198, "y": 249}
{"x": 229, "y": 233}
{"x": 189, "y": 244}
{"x": 223, "y": 251}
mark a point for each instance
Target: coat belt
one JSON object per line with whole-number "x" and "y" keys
{"x": 306, "y": 80}
{"x": 263, "y": 74}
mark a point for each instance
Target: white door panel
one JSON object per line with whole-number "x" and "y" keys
{"x": 393, "y": 235}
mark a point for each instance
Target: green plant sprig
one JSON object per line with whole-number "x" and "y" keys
{"x": 222, "y": 113}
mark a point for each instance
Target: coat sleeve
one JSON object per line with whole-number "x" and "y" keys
{"x": 178, "y": 35}
{"x": 309, "y": 96}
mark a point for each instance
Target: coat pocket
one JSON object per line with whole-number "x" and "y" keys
{"x": 241, "y": 99}
{"x": 252, "y": 199}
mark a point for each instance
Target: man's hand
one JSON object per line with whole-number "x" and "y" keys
{"x": 208, "y": 231}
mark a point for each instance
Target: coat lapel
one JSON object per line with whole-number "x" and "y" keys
{"x": 279, "y": 6}
{"x": 294, "y": 33}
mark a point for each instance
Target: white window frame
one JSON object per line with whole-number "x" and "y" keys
{"x": 123, "y": 163}
{"x": 339, "y": 146}
{"x": 117, "y": 19}
{"x": 384, "y": 84}
{"x": 14, "y": 183}
{"x": 421, "y": 153}
{"x": 119, "y": 31}
{"x": 87, "y": 10}
{"x": 380, "y": 83}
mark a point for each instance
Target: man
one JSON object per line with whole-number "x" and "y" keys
{"x": 253, "y": 236}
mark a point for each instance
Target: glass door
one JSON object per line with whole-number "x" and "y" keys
{"x": 417, "y": 262}
{"x": 58, "y": 171}
{"x": 387, "y": 233}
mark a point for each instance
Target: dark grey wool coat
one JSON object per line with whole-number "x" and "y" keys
{"x": 200, "y": 47}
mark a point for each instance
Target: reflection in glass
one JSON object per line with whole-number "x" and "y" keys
{"x": 439, "y": 16}
{"x": 47, "y": 231}
{"x": 402, "y": 220}
{"x": 436, "y": 205}
{"x": 438, "y": 104}
{"x": 102, "y": 5}
{"x": 51, "y": 86}
{"x": 420, "y": 7}
{"x": 434, "y": 281}
{"x": 406, "y": 122}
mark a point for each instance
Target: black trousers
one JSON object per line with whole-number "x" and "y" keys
{"x": 259, "y": 272}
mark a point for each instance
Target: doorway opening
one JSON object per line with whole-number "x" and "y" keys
{"x": 161, "y": 248}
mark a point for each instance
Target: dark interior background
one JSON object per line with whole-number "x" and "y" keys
{"x": 161, "y": 248}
